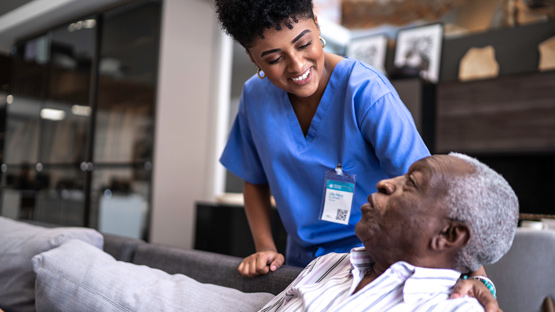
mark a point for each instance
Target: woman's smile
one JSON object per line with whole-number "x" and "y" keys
{"x": 304, "y": 78}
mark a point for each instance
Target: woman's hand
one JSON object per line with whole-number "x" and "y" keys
{"x": 477, "y": 289}
{"x": 261, "y": 263}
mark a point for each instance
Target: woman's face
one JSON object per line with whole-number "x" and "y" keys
{"x": 292, "y": 59}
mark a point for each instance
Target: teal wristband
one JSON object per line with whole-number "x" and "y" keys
{"x": 489, "y": 284}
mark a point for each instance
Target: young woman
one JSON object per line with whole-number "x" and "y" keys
{"x": 302, "y": 114}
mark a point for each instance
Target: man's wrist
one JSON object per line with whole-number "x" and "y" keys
{"x": 486, "y": 281}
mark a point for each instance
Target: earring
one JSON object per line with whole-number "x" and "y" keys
{"x": 258, "y": 73}
{"x": 323, "y": 41}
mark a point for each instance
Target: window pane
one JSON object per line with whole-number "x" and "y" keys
{"x": 19, "y": 188}
{"x": 61, "y": 197}
{"x": 124, "y": 125}
{"x": 66, "y": 113}
{"x": 54, "y": 195}
{"x": 71, "y": 57}
{"x": 30, "y": 61}
{"x": 22, "y": 130}
{"x": 120, "y": 200}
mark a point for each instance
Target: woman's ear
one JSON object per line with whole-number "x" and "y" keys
{"x": 453, "y": 235}
{"x": 250, "y": 56}
{"x": 317, "y": 24}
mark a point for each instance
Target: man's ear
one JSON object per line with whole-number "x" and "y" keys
{"x": 453, "y": 235}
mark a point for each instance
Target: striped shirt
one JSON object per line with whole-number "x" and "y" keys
{"x": 328, "y": 283}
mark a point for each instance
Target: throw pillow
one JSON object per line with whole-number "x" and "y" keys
{"x": 19, "y": 242}
{"x": 79, "y": 277}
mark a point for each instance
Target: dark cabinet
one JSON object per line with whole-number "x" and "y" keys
{"x": 79, "y": 129}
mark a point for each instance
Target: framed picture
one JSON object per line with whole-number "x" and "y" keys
{"x": 371, "y": 50}
{"x": 419, "y": 49}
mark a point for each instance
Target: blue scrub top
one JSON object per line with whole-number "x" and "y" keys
{"x": 360, "y": 123}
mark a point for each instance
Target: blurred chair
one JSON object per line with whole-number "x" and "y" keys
{"x": 525, "y": 276}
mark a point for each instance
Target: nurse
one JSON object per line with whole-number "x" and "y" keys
{"x": 309, "y": 124}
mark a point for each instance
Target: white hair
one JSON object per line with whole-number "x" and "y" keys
{"x": 488, "y": 205}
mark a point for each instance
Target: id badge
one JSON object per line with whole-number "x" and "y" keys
{"x": 339, "y": 188}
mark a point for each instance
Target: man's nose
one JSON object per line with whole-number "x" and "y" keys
{"x": 386, "y": 186}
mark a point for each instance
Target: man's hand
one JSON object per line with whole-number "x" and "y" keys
{"x": 261, "y": 262}
{"x": 475, "y": 288}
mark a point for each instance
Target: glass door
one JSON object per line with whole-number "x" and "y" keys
{"x": 22, "y": 128}
{"x": 124, "y": 123}
{"x": 65, "y": 124}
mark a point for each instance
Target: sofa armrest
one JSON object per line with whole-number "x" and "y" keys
{"x": 213, "y": 268}
{"x": 121, "y": 248}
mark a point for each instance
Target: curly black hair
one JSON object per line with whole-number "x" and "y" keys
{"x": 244, "y": 20}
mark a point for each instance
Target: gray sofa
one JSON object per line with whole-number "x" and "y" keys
{"x": 161, "y": 269}
{"x": 197, "y": 264}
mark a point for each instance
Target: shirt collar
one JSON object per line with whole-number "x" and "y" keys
{"x": 419, "y": 282}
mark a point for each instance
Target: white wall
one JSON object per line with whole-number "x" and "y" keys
{"x": 189, "y": 88}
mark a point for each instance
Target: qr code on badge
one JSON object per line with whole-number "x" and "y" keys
{"x": 341, "y": 214}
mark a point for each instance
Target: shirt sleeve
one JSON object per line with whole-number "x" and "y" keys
{"x": 389, "y": 127}
{"x": 240, "y": 155}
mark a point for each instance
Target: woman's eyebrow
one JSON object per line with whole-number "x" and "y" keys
{"x": 292, "y": 42}
{"x": 300, "y": 35}
{"x": 269, "y": 51}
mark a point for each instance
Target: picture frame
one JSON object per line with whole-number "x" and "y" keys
{"x": 369, "y": 49}
{"x": 418, "y": 49}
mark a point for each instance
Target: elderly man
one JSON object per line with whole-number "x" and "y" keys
{"x": 449, "y": 214}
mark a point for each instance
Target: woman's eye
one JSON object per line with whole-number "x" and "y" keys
{"x": 306, "y": 45}
{"x": 275, "y": 61}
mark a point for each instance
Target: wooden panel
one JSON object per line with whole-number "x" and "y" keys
{"x": 508, "y": 114}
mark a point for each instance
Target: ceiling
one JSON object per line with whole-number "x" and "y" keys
{"x": 9, "y": 5}
{"x": 24, "y": 18}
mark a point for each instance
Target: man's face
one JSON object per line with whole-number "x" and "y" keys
{"x": 400, "y": 219}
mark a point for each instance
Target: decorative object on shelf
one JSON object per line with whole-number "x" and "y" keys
{"x": 371, "y": 50}
{"x": 373, "y": 13}
{"x": 547, "y": 54}
{"x": 478, "y": 63}
{"x": 535, "y": 225}
{"x": 419, "y": 49}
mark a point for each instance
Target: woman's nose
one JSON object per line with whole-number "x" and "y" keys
{"x": 295, "y": 63}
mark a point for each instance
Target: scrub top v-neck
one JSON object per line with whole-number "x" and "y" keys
{"x": 360, "y": 123}
{"x": 295, "y": 128}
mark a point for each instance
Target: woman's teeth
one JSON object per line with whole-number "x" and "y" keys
{"x": 303, "y": 77}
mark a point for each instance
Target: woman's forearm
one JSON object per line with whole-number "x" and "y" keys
{"x": 258, "y": 209}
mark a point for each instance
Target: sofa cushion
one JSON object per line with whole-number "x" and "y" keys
{"x": 19, "y": 242}
{"x": 201, "y": 266}
{"x": 79, "y": 277}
